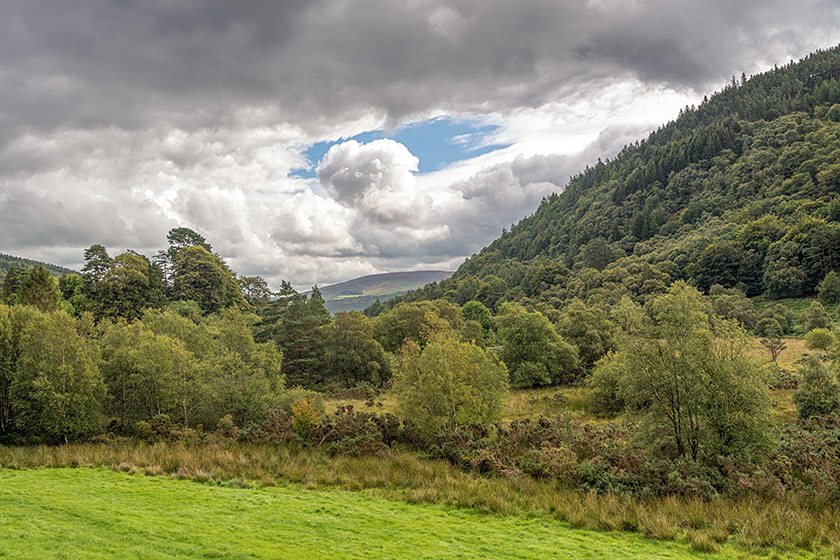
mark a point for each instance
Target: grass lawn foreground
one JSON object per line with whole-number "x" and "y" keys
{"x": 96, "y": 513}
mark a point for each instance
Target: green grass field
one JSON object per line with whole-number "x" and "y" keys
{"x": 96, "y": 513}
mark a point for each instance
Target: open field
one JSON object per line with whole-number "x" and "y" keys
{"x": 95, "y": 513}
{"x": 750, "y": 527}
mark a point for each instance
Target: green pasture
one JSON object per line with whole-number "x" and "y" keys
{"x": 96, "y": 513}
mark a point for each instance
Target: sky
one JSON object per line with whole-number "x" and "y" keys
{"x": 320, "y": 140}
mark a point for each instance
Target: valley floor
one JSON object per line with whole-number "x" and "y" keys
{"x": 97, "y": 513}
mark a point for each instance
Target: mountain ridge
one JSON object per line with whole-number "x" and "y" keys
{"x": 359, "y": 293}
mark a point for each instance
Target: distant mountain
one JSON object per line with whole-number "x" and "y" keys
{"x": 359, "y": 293}
{"x": 8, "y": 261}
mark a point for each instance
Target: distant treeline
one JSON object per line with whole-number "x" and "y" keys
{"x": 9, "y": 261}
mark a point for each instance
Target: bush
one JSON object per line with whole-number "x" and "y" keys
{"x": 807, "y": 458}
{"x": 820, "y": 339}
{"x": 820, "y": 391}
{"x": 295, "y": 394}
{"x": 606, "y": 396}
{"x": 159, "y": 428}
{"x": 781, "y": 314}
{"x": 829, "y": 289}
{"x": 780, "y": 378}
{"x": 769, "y": 327}
{"x": 305, "y": 415}
{"x": 353, "y": 433}
{"x": 815, "y": 317}
{"x": 530, "y": 374}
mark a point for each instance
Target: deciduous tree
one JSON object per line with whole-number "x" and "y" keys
{"x": 449, "y": 383}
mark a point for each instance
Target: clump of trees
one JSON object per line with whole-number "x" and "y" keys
{"x": 532, "y": 350}
{"x": 690, "y": 373}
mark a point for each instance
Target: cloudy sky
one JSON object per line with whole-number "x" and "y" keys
{"x": 320, "y": 140}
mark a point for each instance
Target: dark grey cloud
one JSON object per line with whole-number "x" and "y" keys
{"x": 93, "y": 63}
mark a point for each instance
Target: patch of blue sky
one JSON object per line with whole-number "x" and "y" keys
{"x": 437, "y": 143}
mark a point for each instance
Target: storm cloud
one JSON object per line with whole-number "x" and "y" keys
{"x": 120, "y": 120}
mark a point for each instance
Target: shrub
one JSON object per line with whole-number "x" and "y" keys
{"x": 352, "y": 433}
{"x": 780, "y": 378}
{"x": 295, "y": 394}
{"x": 449, "y": 383}
{"x": 305, "y": 415}
{"x": 277, "y": 427}
{"x": 783, "y": 316}
{"x": 829, "y": 289}
{"x": 606, "y": 396}
{"x": 819, "y": 393}
{"x": 530, "y": 374}
{"x": 815, "y": 317}
{"x": 820, "y": 339}
{"x": 159, "y": 428}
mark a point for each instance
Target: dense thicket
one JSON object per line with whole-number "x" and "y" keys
{"x": 741, "y": 191}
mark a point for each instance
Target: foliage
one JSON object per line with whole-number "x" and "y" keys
{"x": 690, "y": 372}
{"x": 771, "y": 341}
{"x": 304, "y": 417}
{"x": 476, "y": 311}
{"x": 607, "y": 396}
{"x": 351, "y": 354}
{"x": 409, "y": 322}
{"x": 733, "y": 304}
{"x": 295, "y": 326}
{"x": 589, "y": 329}
{"x": 201, "y": 276}
{"x": 820, "y": 339}
{"x": 819, "y": 392}
{"x": 781, "y": 314}
{"x": 532, "y": 350}
{"x": 39, "y": 289}
{"x": 195, "y": 373}
{"x": 255, "y": 290}
{"x": 815, "y": 317}
{"x": 57, "y": 389}
{"x": 829, "y": 289}
{"x": 449, "y": 383}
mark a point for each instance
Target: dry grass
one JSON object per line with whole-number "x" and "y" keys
{"x": 753, "y": 523}
{"x": 787, "y": 358}
{"x": 784, "y": 411}
{"x": 388, "y": 402}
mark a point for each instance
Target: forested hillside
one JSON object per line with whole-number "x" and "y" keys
{"x": 9, "y": 261}
{"x": 741, "y": 191}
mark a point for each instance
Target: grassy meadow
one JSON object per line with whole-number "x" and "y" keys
{"x": 95, "y": 513}
{"x": 748, "y": 528}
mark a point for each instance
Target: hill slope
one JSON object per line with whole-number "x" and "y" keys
{"x": 8, "y": 261}
{"x": 359, "y": 293}
{"x": 741, "y": 191}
